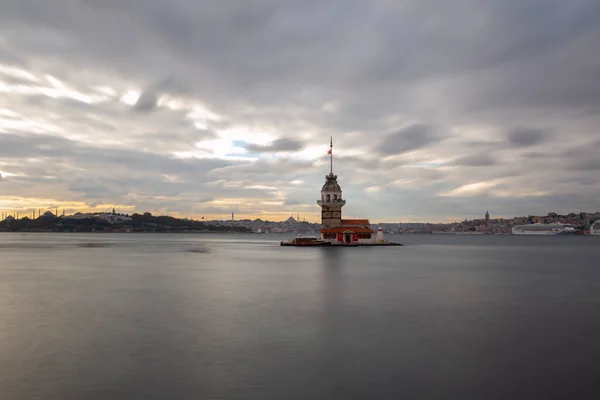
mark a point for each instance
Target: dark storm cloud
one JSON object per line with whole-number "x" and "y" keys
{"x": 90, "y": 186}
{"x": 14, "y": 146}
{"x": 589, "y": 165}
{"x": 146, "y": 102}
{"x": 482, "y": 144}
{"x": 410, "y": 138}
{"x": 278, "y": 146}
{"x": 269, "y": 44}
{"x": 426, "y": 175}
{"x": 540, "y": 155}
{"x": 302, "y": 196}
{"x": 525, "y": 137}
{"x": 476, "y": 160}
{"x": 17, "y": 146}
{"x": 112, "y": 174}
{"x": 262, "y": 169}
{"x": 137, "y": 162}
{"x": 584, "y": 159}
{"x": 591, "y": 180}
{"x": 363, "y": 162}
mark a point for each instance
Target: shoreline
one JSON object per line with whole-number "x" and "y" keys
{"x": 103, "y": 232}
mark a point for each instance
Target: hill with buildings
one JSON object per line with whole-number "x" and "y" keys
{"x": 146, "y": 222}
{"x": 111, "y": 222}
{"x": 581, "y": 221}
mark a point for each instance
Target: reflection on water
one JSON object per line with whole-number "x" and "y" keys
{"x": 236, "y": 316}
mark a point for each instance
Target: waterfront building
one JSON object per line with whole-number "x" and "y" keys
{"x": 543, "y": 229}
{"x": 595, "y": 228}
{"x": 333, "y": 227}
{"x": 483, "y": 228}
{"x": 113, "y": 218}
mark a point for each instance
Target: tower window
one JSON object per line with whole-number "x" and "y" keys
{"x": 335, "y": 196}
{"x": 328, "y": 197}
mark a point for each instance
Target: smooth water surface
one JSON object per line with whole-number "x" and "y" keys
{"x": 169, "y": 316}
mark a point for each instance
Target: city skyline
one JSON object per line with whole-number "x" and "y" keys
{"x": 549, "y": 216}
{"x": 438, "y": 111}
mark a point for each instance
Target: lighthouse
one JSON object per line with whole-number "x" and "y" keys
{"x": 333, "y": 227}
{"x": 331, "y": 202}
{"x": 379, "y": 235}
{"x": 335, "y": 230}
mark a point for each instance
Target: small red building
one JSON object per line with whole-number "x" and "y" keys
{"x": 350, "y": 231}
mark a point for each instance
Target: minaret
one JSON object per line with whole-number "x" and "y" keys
{"x": 331, "y": 201}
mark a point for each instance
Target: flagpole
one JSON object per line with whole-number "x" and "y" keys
{"x": 330, "y": 152}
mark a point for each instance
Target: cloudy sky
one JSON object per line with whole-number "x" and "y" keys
{"x": 439, "y": 109}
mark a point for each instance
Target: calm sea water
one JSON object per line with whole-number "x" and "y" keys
{"x": 130, "y": 316}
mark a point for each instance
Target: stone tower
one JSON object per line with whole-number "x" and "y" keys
{"x": 487, "y": 218}
{"x": 331, "y": 201}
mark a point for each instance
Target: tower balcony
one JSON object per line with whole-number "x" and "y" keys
{"x": 337, "y": 202}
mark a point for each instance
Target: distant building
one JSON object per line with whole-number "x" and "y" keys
{"x": 487, "y": 218}
{"x": 483, "y": 228}
{"x": 595, "y": 228}
{"x": 113, "y": 218}
{"x": 291, "y": 221}
{"x": 80, "y": 216}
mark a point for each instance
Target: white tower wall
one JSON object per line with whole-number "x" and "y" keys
{"x": 379, "y": 234}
